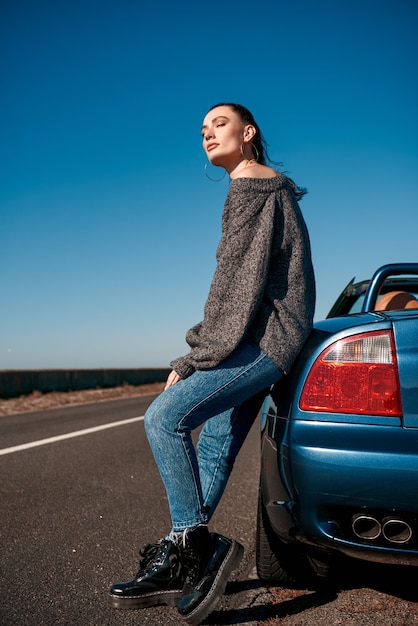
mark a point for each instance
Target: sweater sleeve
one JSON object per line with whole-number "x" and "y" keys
{"x": 238, "y": 284}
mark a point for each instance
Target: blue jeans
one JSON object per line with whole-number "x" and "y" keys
{"x": 226, "y": 399}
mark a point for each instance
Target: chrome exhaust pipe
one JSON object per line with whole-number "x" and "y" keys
{"x": 396, "y": 530}
{"x": 366, "y": 526}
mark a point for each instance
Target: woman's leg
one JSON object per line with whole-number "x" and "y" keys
{"x": 219, "y": 442}
{"x": 187, "y": 405}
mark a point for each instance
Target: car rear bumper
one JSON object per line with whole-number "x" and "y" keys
{"x": 353, "y": 464}
{"x": 326, "y": 534}
{"x": 334, "y": 473}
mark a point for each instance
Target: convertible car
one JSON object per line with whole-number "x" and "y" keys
{"x": 339, "y": 446}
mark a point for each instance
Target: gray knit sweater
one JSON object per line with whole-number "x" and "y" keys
{"x": 263, "y": 289}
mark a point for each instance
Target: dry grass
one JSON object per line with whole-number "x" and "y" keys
{"x": 37, "y": 401}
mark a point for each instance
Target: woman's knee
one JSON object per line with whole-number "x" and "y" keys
{"x": 160, "y": 415}
{"x": 151, "y": 415}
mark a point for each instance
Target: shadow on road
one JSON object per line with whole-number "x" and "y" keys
{"x": 277, "y": 603}
{"x": 394, "y": 580}
{"x": 263, "y": 612}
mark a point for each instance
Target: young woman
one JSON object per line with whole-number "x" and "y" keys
{"x": 257, "y": 316}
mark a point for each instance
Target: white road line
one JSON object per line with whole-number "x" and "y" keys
{"x": 76, "y": 433}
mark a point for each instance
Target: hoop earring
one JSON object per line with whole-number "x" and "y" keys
{"x": 215, "y": 180}
{"x": 254, "y": 151}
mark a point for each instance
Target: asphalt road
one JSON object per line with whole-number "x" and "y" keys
{"x": 74, "y": 513}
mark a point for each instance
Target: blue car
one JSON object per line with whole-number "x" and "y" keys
{"x": 339, "y": 447}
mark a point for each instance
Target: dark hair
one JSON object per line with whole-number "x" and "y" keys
{"x": 259, "y": 143}
{"x": 247, "y": 117}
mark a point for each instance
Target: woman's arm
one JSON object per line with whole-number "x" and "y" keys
{"x": 238, "y": 284}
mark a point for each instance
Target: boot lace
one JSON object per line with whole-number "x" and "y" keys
{"x": 153, "y": 555}
{"x": 188, "y": 557}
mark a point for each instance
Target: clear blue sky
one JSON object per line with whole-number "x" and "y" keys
{"x": 108, "y": 226}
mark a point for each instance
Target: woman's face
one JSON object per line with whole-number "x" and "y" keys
{"x": 223, "y": 135}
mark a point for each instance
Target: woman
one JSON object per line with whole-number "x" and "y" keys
{"x": 257, "y": 316}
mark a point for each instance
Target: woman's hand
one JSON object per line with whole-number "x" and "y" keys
{"x": 172, "y": 379}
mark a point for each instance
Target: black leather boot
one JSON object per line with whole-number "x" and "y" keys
{"x": 209, "y": 559}
{"x": 160, "y": 579}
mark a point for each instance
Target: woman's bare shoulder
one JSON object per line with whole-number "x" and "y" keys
{"x": 257, "y": 171}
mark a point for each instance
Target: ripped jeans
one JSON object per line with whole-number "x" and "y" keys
{"x": 226, "y": 401}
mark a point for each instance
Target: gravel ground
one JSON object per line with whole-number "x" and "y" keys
{"x": 352, "y": 607}
{"x": 363, "y": 593}
{"x": 37, "y": 401}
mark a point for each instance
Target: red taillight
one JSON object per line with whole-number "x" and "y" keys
{"x": 358, "y": 374}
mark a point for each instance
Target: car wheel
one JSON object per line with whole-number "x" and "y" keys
{"x": 284, "y": 564}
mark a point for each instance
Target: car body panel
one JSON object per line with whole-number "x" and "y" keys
{"x": 322, "y": 472}
{"x": 406, "y": 338}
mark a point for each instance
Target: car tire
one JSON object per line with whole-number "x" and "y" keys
{"x": 284, "y": 564}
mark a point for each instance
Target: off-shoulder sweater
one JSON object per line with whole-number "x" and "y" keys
{"x": 263, "y": 289}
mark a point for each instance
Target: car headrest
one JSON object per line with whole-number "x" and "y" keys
{"x": 395, "y": 300}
